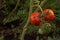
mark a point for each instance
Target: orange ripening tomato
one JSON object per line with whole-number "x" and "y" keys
{"x": 48, "y": 15}
{"x": 34, "y": 18}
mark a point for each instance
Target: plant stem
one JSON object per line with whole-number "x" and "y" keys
{"x": 18, "y": 1}
{"x": 37, "y": 38}
{"x": 40, "y": 9}
{"x": 25, "y": 27}
{"x": 42, "y": 3}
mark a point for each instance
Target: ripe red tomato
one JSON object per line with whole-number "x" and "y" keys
{"x": 34, "y": 18}
{"x": 48, "y": 15}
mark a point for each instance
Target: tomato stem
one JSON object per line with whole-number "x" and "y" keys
{"x": 41, "y": 4}
{"x": 25, "y": 27}
{"x": 41, "y": 10}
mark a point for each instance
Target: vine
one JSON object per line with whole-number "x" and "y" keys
{"x": 25, "y": 27}
{"x": 30, "y": 11}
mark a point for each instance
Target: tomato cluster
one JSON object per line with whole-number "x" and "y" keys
{"x": 48, "y": 15}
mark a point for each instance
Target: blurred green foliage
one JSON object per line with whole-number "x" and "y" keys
{"x": 22, "y": 12}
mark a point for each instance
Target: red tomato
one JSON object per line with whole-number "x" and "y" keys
{"x": 48, "y": 15}
{"x": 34, "y": 18}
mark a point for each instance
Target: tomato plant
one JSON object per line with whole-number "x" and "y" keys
{"x": 48, "y": 15}
{"x": 34, "y": 18}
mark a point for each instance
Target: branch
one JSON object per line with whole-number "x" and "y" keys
{"x": 14, "y": 8}
{"x": 25, "y": 27}
{"x": 42, "y": 3}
